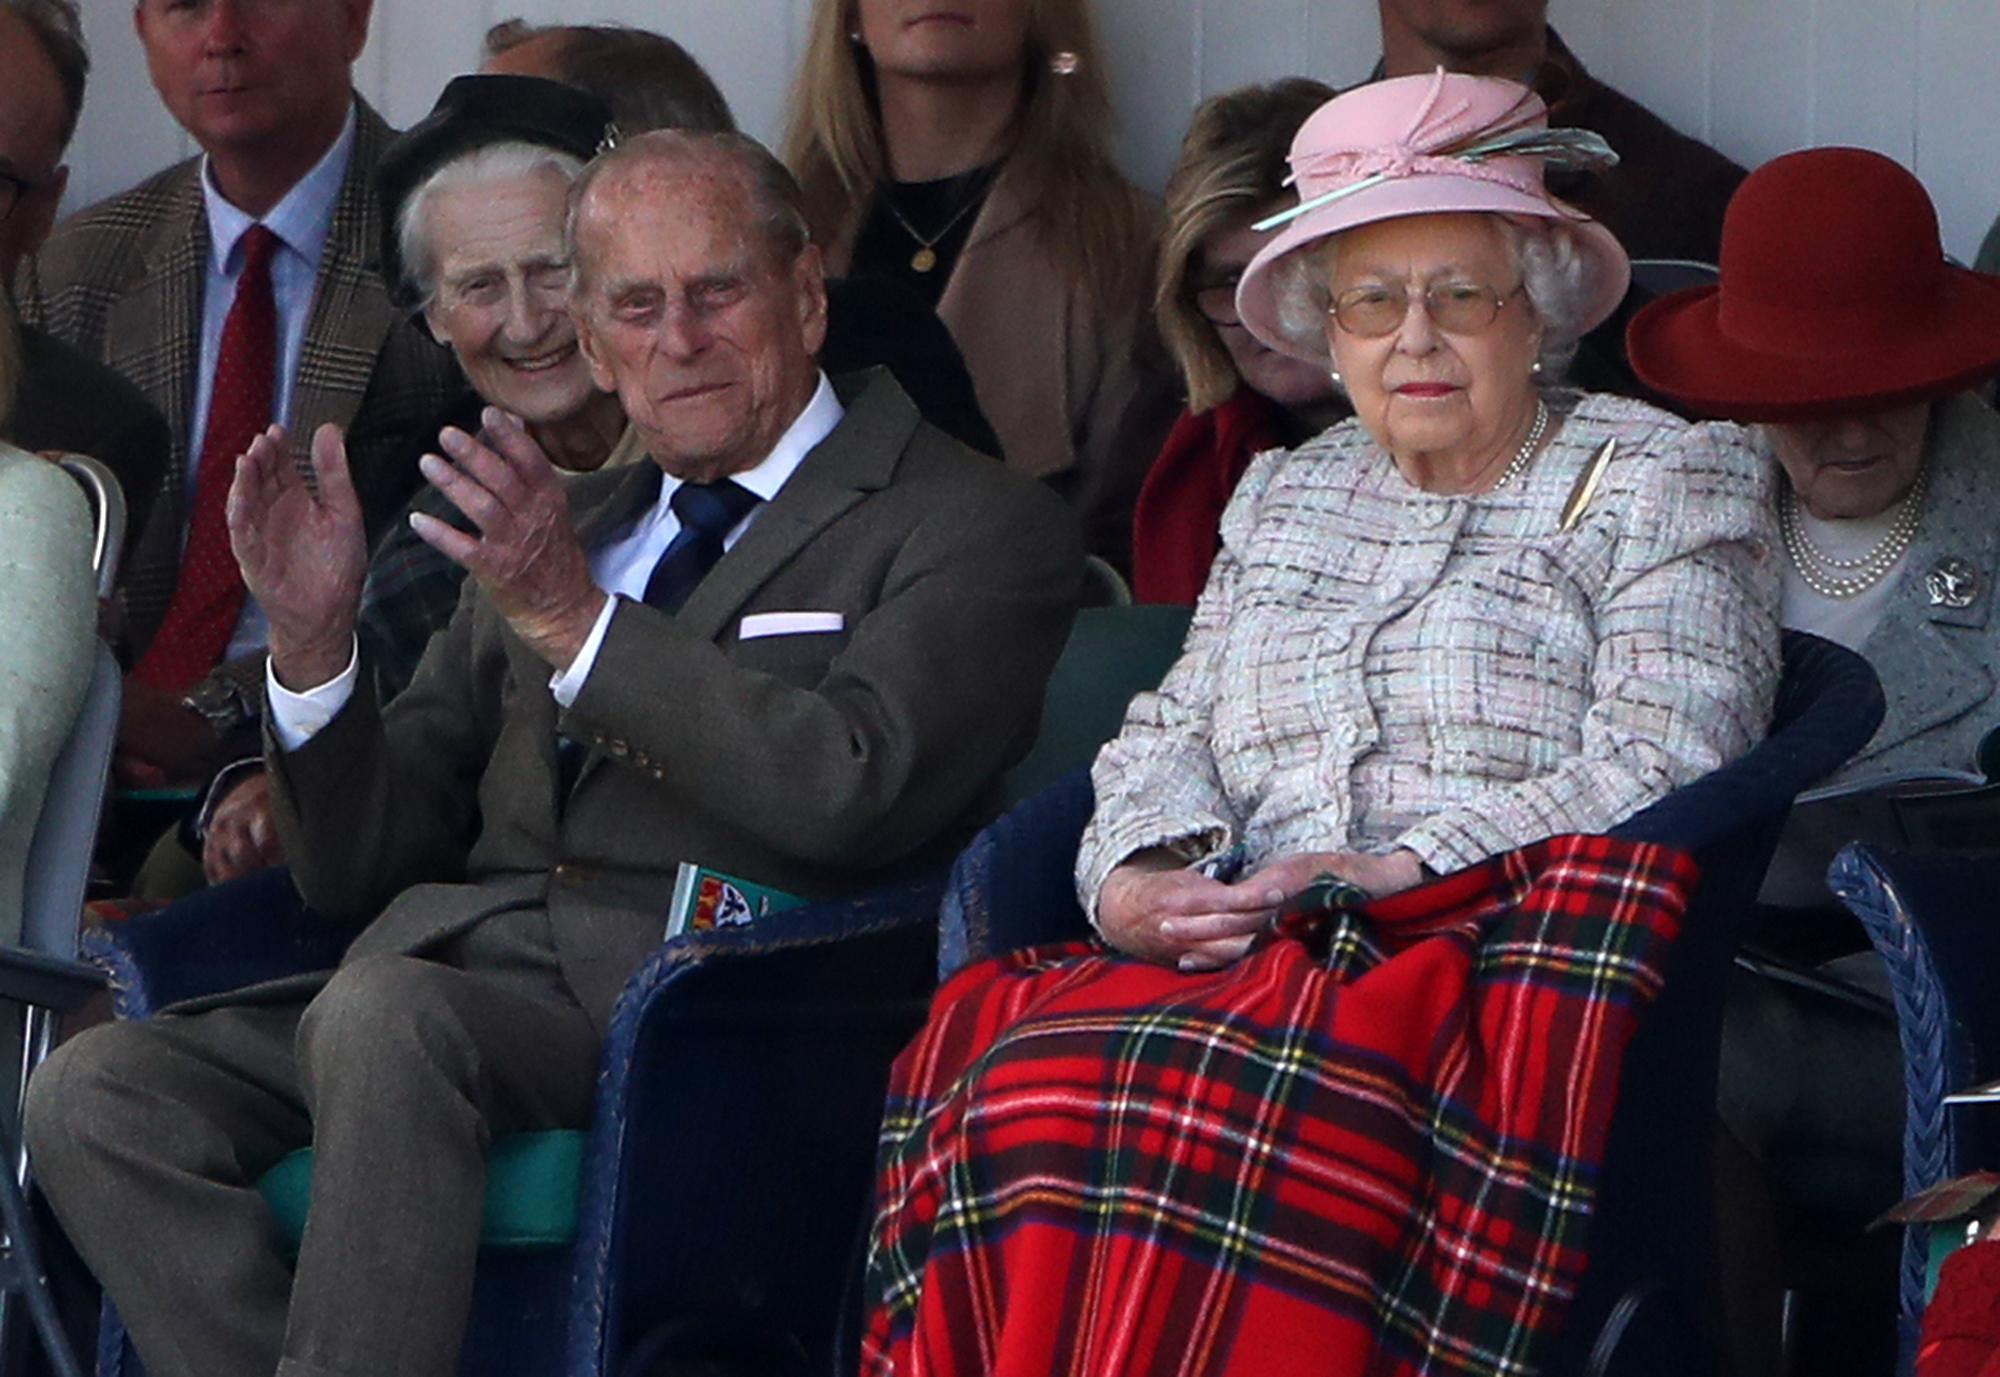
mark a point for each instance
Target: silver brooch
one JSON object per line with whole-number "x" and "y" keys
{"x": 1952, "y": 582}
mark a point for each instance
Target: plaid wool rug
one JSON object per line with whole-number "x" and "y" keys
{"x": 1370, "y": 1149}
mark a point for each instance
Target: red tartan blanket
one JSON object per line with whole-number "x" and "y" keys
{"x": 1372, "y": 1154}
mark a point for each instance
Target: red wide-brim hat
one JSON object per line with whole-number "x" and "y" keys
{"x": 1834, "y": 299}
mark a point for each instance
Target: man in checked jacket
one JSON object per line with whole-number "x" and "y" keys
{"x": 146, "y": 280}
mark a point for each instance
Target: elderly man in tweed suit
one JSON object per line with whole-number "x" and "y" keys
{"x": 799, "y": 646}
{"x": 146, "y": 282}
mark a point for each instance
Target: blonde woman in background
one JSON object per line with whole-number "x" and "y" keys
{"x": 1243, "y": 397}
{"x": 961, "y": 148}
{"x": 47, "y": 585}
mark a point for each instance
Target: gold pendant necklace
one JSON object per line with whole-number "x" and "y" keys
{"x": 925, "y": 258}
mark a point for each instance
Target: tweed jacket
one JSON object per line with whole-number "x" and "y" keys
{"x": 1939, "y": 664}
{"x": 1072, "y": 377}
{"x": 123, "y": 282}
{"x": 69, "y": 401}
{"x": 1372, "y": 666}
{"x": 817, "y": 762}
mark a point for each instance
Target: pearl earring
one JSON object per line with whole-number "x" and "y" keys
{"x": 1065, "y": 63}
{"x": 1536, "y": 370}
{"x": 1334, "y": 373}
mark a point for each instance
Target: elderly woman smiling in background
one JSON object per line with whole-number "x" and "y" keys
{"x": 1481, "y": 614}
{"x": 474, "y": 198}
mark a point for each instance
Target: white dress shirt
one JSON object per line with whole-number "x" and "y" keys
{"x": 620, "y": 566}
{"x": 301, "y": 221}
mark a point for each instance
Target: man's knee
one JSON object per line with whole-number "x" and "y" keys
{"x": 381, "y": 1018}
{"x": 89, "y": 1094}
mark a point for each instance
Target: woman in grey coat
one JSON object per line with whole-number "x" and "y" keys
{"x": 1839, "y": 328}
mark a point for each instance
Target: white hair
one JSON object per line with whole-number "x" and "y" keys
{"x": 495, "y": 162}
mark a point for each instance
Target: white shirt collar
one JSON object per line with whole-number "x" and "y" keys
{"x": 810, "y": 427}
{"x": 301, "y": 220}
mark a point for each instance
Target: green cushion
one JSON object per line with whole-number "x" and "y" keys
{"x": 1113, "y": 654}
{"x": 532, "y": 1181}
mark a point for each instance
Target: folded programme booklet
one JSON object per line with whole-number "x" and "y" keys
{"x": 705, "y": 899}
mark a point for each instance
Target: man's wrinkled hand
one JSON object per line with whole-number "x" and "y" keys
{"x": 242, "y": 831}
{"x": 526, "y": 554}
{"x": 303, "y": 552}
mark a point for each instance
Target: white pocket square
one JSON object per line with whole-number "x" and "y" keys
{"x": 760, "y": 624}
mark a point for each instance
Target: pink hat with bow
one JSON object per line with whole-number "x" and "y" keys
{"x": 1425, "y": 145}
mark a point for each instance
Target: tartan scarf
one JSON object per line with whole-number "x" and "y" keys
{"x": 1367, "y": 1149}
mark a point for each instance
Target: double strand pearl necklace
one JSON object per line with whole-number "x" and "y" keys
{"x": 1527, "y": 449}
{"x": 1840, "y": 579}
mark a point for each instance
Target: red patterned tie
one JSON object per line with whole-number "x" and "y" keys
{"x": 208, "y": 596}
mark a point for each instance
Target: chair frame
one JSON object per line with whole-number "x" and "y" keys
{"x": 1649, "y": 1302}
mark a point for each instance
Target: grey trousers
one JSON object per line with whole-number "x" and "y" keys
{"x": 148, "y": 1139}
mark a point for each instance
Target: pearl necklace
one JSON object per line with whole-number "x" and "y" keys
{"x": 1527, "y": 449}
{"x": 1841, "y": 579}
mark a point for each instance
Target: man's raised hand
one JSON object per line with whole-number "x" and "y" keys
{"x": 526, "y": 554}
{"x": 303, "y": 552}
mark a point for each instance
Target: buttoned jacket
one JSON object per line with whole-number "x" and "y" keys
{"x": 1937, "y": 647}
{"x": 817, "y": 762}
{"x": 1373, "y": 666}
{"x": 123, "y": 281}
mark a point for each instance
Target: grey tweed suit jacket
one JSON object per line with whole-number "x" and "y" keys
{"x": 819, "y": 763}
{"x": 123, "y": 281}
{"x": 1938, "y": 663}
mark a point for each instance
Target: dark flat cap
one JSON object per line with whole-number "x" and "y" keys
{"x": 473, "y": 112}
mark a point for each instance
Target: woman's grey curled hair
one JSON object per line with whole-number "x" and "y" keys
{"x": 492, "y": 163}
{"x": 1556, "y": 277}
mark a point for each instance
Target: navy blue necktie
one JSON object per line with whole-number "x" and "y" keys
{"x": 707, "y": 512}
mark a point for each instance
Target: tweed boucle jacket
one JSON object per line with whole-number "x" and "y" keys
{"x": 122, "y": 281}
{"x": 1372, "y": 666}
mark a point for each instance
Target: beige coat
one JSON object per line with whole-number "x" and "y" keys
{"x": 1072, "y": 377}
{"x": 1374, "y": 667}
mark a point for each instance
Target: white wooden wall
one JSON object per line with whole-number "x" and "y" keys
{"x": 1916, "y": 79}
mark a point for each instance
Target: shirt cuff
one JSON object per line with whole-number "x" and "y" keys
{"x": 297, "y": 717}
{"x": 568, "y": 684}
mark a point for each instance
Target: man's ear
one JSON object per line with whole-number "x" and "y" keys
{"x": 427, "y": 313}
{"x": 593, "y": 351}
{"x": 40, "y": 207}
{"x": 809, "y": 280}
{"x": 354, "y": 26}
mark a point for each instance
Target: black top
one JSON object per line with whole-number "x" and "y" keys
{"x": 909, "y": 223}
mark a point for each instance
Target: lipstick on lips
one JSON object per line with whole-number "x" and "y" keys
{"x": 1425, "y": 390}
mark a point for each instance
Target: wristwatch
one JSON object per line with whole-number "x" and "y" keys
{"x": 219, "y": 703}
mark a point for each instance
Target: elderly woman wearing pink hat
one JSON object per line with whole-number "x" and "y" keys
{"x": 1482, "y": 613}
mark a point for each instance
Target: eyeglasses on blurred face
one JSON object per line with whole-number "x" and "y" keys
{"x": 1375, "y": 309}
